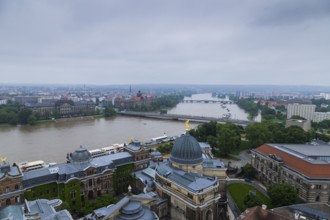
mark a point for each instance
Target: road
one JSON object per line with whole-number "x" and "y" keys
{"x": 244, "y": 158}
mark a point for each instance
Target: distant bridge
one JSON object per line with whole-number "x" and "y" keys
{"x": 192, "y": 118}
{"x": 207, "y": 101}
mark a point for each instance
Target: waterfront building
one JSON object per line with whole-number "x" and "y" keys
{"x": 82, "y": 178}
{"x": 62, "y": 108}
{"x": 40, "y": 209}
{"x": 11, "y": 187}
{"x": 140, "y": 154}
{"x": 305, "y": 166}
{"x": 320, "y": 116}
{"x": 302, "y": 110}
{"x": 192, "y": 185}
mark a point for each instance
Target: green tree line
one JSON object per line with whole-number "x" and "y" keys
{"x": 249, "y": 106}
{"x": 12, "y": 113}
{"x": 223, "y": 138}
{"x": 228, "y": 138}
{"x": 160, "y": 103}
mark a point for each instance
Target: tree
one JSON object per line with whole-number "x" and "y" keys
{"x": 228, "y": 138}
{"x": 258, "y": 134}
{"x": 249, "y": 171}
{"x": 23, "y": 116}
{"x": 282, "y": 194}
{"x": 109, "y": 112}
{"x": 32, "y": 120}
{"x": 251, "y": 200}
{"x": 296, "y": 135}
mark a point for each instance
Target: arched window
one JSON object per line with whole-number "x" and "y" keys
{"x": 317, "y": 199}
{"x": 16, "y": 187}
{"x": 209, "y": 215}
{"x": 8, "y": 202}
{"x": 7, "y": 189}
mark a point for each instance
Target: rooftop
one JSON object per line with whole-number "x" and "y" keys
{"x": 304, "y": 150}
{"x": 191, "y": 181}
{"x": 297, "y": 160}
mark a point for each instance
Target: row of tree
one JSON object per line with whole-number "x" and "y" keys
{"x": 268, "y": 132}
{"x": 227, "y": 138}
{"x": 12, "y": 113}
{"x": 223, "y": 138}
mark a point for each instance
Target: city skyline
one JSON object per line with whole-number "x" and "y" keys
{"x": 185, "y": 42}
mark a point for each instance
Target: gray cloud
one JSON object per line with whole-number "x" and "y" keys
{"x": 209, "y": 42}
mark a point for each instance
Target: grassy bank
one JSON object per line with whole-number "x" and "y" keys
{"x": 240, "y": 190}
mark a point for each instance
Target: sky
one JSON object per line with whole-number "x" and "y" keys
{"x": 273, "y": 42}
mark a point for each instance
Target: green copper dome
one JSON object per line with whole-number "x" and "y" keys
{"x": 186, "y": 150}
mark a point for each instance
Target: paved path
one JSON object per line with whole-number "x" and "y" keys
{"x": 244, "y": 158}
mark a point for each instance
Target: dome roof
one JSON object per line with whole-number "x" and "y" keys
{"x": 186, "y": 150}
{"x": 81, "y": 155}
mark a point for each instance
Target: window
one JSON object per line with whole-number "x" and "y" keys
{"x": 90, "y": 183}
{"x": 73, "y": 194}
{"x": 7, "y": 189}
{"x": 317, "y": 199}
{"x": 16, "y": 187}
{"x": 8, "y": 202}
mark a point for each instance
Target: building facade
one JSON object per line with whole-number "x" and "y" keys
{"x": 321, "y": 116}
{"x": 304, "y": 124}
{"x": 302, "y": 110}
{"x": 82, "y": 178}
{"x": 11, "y": 187}
{"x": 306, "y": 167}
{"x": 140, "y": 154}
{"x": 181, "y": 180}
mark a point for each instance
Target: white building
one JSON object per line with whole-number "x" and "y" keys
{"x": 303, "y": 110}
{"x": 325, "y": 95}
{"x": 3, "y": 101}
{"x": 320, "y": 116}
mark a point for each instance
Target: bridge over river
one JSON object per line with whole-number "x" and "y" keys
{"x": 192, "y": 118}
{"x": 207, "y": 101}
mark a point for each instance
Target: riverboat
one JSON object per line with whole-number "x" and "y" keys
{"x": 160, "y": 139}
{"x": 33, "y": 165}
{"x": 107, "y": 150}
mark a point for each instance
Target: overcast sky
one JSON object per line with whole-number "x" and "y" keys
{"x": 280, "y": 42}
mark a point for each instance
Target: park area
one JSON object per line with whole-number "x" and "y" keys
{"x": 239, "y": 191}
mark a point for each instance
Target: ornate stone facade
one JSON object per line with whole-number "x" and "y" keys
{"x": 11, "y": 188}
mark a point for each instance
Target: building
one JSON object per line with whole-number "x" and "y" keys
{"x": 82, "y": 178}
{"x": 140, "y": 154}
{"x": 305, "y": 166}
{"x": 40, "y": 209}
{"x": 190, "y": 184}
{"x": 61, "y": 108}
{"x": 311, "y": 211}
{"x": 131, "y": 207}
{"x": 320, "y": 116}
{"x": 11, "y": 187}
{"x": 304, "y": 124}
{"x": 261, "y": 213}
{"x": 3, "y": 101}
{"x": 302, "y": 110}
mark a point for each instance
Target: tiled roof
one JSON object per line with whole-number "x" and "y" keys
{"x": 258, "y": 213}
{"x": 300, "y": 164}
{"x": 191, "y": 181}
